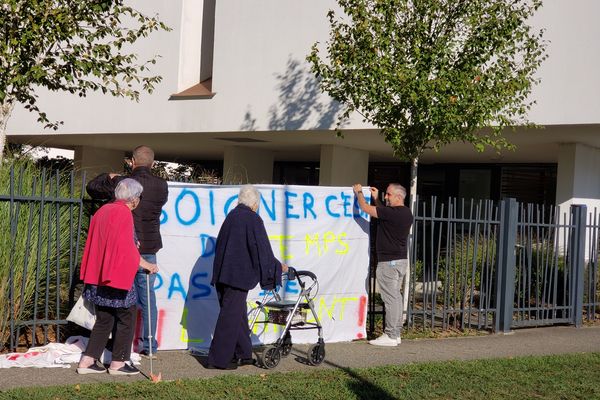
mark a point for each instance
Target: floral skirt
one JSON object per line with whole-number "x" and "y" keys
{"x": 107, "y": 296}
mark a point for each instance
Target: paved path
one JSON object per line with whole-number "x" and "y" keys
{"x": 181, "y": 364}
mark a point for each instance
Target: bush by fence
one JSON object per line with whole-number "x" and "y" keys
{"x": 41, "y": 216}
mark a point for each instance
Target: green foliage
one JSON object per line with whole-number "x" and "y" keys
{"x": 540, "y": 268}
{"x": 19, "y": 152}
{"x": 75, "y": 46}
{"x": 464, "y": 262}
{"x": 38, "y": 243}
{"x": 432, "y": 72}
{"x": 190, "y": 172}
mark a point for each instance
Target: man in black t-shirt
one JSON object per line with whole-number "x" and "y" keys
{"x": 394, "y": 220}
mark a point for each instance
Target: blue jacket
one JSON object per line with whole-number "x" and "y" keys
{"x": 243, "y": 254}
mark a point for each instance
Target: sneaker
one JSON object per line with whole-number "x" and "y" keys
{"x": 124, "y": 370}
{"x": 385, "y": 340}
{"x": 146, "y": 354}
{"x": 92, "y": 369}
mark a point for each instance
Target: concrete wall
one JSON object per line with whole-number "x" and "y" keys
{"x": 260, "y": 73}
{"x": 578, "y": 176}
{"x": 247, "y": 165}
{"x": 342, "y": 166}
{"x": 95, "y": 160}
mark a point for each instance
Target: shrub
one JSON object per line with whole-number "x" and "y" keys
{"x": 39, "y": 244}
{"x": 465, "y": 262}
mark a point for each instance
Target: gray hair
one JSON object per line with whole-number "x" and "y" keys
{"x": 143, "y": 156}
{"x": 128, "y": 189}
{"x": 398, "y": 189}
{"x": 248, "y": 196}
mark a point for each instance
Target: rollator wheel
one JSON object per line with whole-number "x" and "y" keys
{"x": 316, "y": 354}
{"x": 270, "y": 357}
{"x": 286, "y": 347}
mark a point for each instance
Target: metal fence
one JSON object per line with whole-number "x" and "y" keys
{"x": 453, "y": 262}
{"x": 42, "y": 218}
{"x": 544, "y": 267}
{"x": 499, "y": 265}
{"x": 475, "y": 264}
{"x": 591, "y": 295}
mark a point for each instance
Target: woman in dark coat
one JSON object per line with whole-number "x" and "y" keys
{"x": 108, "y": 266}
{"x": 243, "y": 259}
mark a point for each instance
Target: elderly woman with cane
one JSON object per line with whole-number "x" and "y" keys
{"x": 108, "y": 267}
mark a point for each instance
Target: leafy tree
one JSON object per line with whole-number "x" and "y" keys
{"x": 432, "y": 72}
{"x": 70, "y": 45}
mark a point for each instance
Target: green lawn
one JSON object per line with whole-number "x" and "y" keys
{"x": 575, "y": 376}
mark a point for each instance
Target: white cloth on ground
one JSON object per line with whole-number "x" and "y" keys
{"x": 55, "y": 355}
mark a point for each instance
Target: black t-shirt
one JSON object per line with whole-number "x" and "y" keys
{"x": 393, "y": 227}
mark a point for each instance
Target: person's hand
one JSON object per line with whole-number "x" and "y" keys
{"x": 112, "y": 175}
{"x": 357, "y": 188}
{"x": 152, "y": 268}
{"x": 284, "y": 267}
{"x": 374, "y": 192}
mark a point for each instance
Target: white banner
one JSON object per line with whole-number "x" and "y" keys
{"x": 319, "y": 229}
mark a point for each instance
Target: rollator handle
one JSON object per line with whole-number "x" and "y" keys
{"x": 306, "y": 273}
{"x": 293, "y": 273}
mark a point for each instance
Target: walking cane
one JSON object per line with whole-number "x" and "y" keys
{"x": 153, "y": 378}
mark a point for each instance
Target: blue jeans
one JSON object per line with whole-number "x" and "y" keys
{"x": 142, "y": 300}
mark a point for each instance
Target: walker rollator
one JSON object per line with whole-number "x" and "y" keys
{"x": 293, "y": 316}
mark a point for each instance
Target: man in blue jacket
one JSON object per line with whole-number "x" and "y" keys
{"x": 243, "y": 258}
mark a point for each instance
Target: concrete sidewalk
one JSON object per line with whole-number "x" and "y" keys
{"x": 181, "y": 364}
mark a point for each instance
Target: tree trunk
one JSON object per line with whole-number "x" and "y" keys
{"x": 5, "y": 112}
{"x": 412, "y": 204}
{"x": 413, "y": 183}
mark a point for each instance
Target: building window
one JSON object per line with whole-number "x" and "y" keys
{"x": 296, "y": 173}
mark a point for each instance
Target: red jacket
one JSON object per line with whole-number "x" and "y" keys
{"x": 110, "y": 257}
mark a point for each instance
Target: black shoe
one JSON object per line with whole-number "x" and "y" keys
{"x": 124, "y": 370}
{"x": 231, "y": 366}
{"x": 92, "y": 369}
{"x": 244, "y": 361}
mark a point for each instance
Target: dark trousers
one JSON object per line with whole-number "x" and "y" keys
{"x": 231, "y": 338}
{"x": 119, "y": 321}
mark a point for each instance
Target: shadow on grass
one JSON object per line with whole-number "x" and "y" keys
{"x": 361, "y": 387}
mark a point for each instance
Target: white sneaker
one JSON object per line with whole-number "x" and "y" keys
{"x": 385, "y": 340}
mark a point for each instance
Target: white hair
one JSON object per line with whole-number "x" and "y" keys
{"x": 128, "y": 189}
{"x": 249, "y": 196}
{"x": 398, "y": 189}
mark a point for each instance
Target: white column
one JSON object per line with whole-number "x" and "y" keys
{"x": 343, "y": 166}
{"x": 95, "y": 160}
{"x": 243, "y": 165}
{"x": 578, "y": 176}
